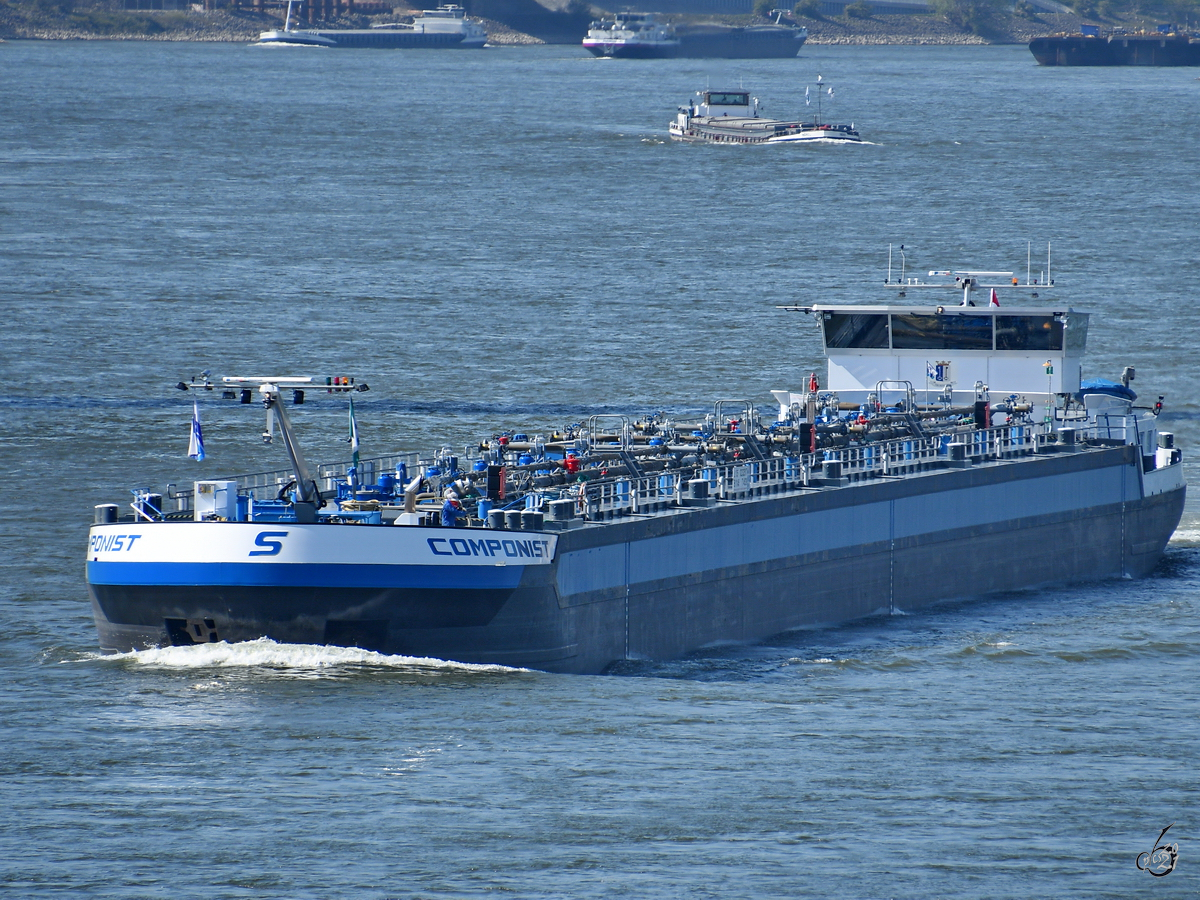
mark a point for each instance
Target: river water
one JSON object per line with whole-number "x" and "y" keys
{"x": 507, "y": 238}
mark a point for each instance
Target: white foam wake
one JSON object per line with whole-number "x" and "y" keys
{"x": 1186, "y": 537}
{"x": 266, "y": 653}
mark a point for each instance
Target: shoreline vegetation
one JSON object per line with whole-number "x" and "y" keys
{"x": 107, "y": 20}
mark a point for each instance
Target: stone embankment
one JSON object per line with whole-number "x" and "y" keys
{"x": 500, "y": 35}
{"x": 186, "y": 26}
{"x": 106, "y": 25}
{"x": 33, "y": 23}
{"x": 927, "y": 30}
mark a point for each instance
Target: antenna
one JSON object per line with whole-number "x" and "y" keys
{"x": 903, "y": 263}
{"x": 1048, "y": 278}
{"x": 889, "y": 278}
{"x": 1028, "y": 259}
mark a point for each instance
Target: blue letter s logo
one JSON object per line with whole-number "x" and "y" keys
{"x": 273, "y": 547}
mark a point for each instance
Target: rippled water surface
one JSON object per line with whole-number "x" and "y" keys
{"x": 506, "y": 237}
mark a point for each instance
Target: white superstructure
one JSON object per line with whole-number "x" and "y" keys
{"x": 447, "y": 19}
{"x": 290, "y": 36}
{"x": 632, "y": 35}
{"x": 1032, "y": 351}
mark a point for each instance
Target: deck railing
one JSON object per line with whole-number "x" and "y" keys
{"x": 327, "y": 476}
{"x": 638, "y": 495}
{"x": 737, "y": 481}
{"x": 1111, "y": 428}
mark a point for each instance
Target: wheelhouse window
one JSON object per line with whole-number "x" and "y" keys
{"x": 856, "y": 331}
{"x": 715, "y": 99}
{"x": 1028, "y": 333}
{"x": 1075, "y": 330}
{"x": 949, "y": 331}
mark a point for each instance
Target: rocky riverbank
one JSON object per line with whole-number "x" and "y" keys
{"x": 930, "y": 29}
{"x": 17, "y": 23}
{"x": 45, "y": 23}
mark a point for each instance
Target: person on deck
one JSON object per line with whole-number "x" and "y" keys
{"x": 452, "y": 511}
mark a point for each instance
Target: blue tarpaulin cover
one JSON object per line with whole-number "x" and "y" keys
{"x": 1104, "y": 386}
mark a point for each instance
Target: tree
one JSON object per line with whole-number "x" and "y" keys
{"x": 976, "y": 16}
{"x": 809, "y": 9}
{"x": 763, "y": 7}
{"x": 859, "y": 9}
{"x": 1183, "y": 12}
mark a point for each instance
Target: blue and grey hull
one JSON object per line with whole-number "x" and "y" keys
{"x": 640, "y": 587}
{"x": 724, "y": 42}
{"x": 392, "y": 39}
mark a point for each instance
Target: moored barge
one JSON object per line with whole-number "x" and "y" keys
{"x": 1091, "y": 48}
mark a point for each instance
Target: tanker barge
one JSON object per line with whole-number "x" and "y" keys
{"x": 952, "y": 451}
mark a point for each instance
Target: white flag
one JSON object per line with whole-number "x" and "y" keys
{"x": 807, "y": 102}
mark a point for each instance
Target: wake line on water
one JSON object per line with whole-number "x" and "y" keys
{"x": 299, "y": 659}
{"x": 1185, "y": 537}
{"x": 827, "y": 141}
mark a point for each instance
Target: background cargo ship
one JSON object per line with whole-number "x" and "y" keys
{"x": 645, "y": 36}
{"x": 713, "y": 41}
{"x": 1090, "y": 48}
{"x": 446, "y": 27}
{"x": 906, "y": 481}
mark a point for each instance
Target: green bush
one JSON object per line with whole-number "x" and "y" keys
{"x": 976, "y": 16}
{"x": 763, "y": 7}
{"x": 809, "y": 9}
{"x": 101, "y": 22}
{"x": 859, "y": 9}
{"x": 51, "y": 7}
